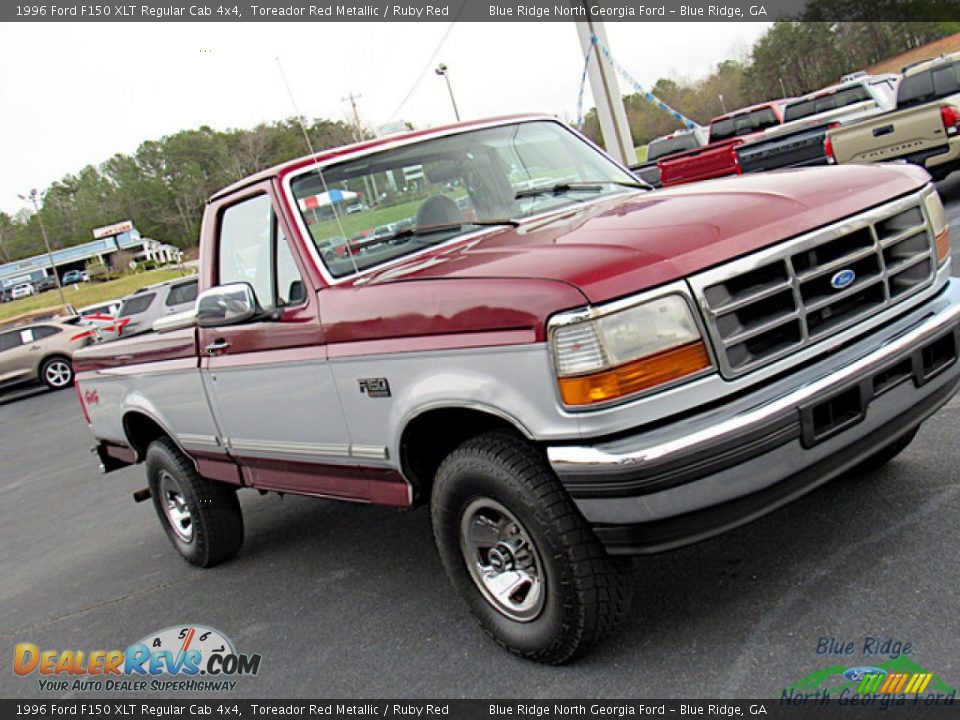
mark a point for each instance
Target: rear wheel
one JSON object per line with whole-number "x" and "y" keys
{"x": 56, "y": 372}
{"x": 517, "y": 550}
{"x": 202, "y": 518}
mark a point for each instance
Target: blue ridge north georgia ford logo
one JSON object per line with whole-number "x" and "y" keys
{"x": 843, "y": 278}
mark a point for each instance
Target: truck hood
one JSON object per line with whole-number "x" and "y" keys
{"x": 629, "y": 243}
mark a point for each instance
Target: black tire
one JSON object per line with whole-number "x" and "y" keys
{"x": 885, "y": 454}
{"x": 57, "y": 372}
{"x": 584, "y": 593}
{"x": 212, "y": 532}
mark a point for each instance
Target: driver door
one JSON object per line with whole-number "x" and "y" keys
{"x": 268, "y": 379}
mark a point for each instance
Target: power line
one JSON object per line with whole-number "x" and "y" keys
{"x": 427, "y": 65}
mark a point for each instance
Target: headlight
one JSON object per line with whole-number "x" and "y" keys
{"x": 938, "y": 221}
{"x": 624, "y": 352}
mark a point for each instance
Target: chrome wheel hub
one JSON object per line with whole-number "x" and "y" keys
{"x": 58, "y": 374}
{"x": 502, "y": 560}
{"x": 175, "y": 507}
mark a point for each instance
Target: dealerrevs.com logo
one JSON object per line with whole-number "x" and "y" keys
{"x": 189, "y": 658}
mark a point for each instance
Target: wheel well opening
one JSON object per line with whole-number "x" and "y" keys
{"x": 54, "y": 356}
{"x": 141, "y": 431}
{"x": 430, "y": 437}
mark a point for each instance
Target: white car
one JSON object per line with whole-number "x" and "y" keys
{"x": 22, "y": 290}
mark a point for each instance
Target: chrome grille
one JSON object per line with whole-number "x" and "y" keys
{"x": 767, "y": 305}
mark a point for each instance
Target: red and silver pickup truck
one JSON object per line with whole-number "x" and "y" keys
{"x": 718, "y": 157}
{"x": 567, "y": 368}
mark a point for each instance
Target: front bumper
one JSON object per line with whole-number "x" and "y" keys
{"x": 662, "y": 487}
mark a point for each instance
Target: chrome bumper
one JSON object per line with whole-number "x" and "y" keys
{"x": 770, "y": 445}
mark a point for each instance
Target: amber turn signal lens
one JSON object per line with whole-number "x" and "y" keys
{"x": 635, "y": 376}
{"x": 943, "y": 246}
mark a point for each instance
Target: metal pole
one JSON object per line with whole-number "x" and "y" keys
{"x": 606, "y": 91}
{"x": 46, "y": 243}
{"x": 456, "y": 113}
{"x": 444, "y": 72}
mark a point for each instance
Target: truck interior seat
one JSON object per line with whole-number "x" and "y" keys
{"x": 438, "y": 210}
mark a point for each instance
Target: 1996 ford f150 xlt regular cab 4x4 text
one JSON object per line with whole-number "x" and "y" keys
{"x": 566, "y": 367}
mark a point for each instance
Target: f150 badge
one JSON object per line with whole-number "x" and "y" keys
{"x": 374, "y": 387}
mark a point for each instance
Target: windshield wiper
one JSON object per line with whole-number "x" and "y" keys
{"x": 418, "y": 230}
{"x": 566, "y": 187}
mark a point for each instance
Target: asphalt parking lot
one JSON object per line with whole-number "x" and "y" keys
{"x": 351, "y": 601}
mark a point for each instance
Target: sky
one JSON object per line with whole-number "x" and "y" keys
{"x": 74, "y": 94}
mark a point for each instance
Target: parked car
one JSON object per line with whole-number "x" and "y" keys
{"x": 142, "y": 308}
{"x": 718, "y": 157}
{"x": 798, "y": 142}
{"x": 22, "y": 290}
{"x": 583, "y": 372}
{"x": 664, "y": 147}
{"x": 75, "y": 276}
{"x": 41, "y": 351}
{"x": 923, "y": 130}
{"x": 48, "y": 282}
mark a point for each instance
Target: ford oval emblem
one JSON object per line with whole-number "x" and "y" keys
{"x": 843, "y": 279}
{"x": 856, "y": 673}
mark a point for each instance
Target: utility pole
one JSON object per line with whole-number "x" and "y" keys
{"x": 357, "y": 128}
{"x": 43, "y": 231}
{"x": 606, "y": 91}
{"x": 373, "y": 194}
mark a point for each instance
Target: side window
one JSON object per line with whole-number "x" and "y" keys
{"x": 44, "y": 331}
{"x": 245, "y": 249}
{"x": 181, "y": 294}
{"x": 253, "y": 249}
{"x": 10, "y": 340}
{"x": 290, "y": 289}
{"x": 136, "y": 304}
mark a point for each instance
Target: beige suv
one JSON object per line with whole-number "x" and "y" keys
{"x": 41, "y": 351}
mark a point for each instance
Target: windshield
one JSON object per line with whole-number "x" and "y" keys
{"x": 368, "y": 211}
{"x": 738, "y": 125}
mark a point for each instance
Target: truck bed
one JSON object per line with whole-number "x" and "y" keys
{"x": 910, "y": 134}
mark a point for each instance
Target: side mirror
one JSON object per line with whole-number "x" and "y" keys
{"x": 227, "y": 305}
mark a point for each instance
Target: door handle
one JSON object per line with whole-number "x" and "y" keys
{"x": 34, "y": 347}
{"x": 885, "y": 130}
{"x": 219, "y": 345}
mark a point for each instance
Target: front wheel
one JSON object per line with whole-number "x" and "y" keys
{"x": 518, "y": 552}
{"x": 56, "y": 373}
{"x": 202, "y": 518}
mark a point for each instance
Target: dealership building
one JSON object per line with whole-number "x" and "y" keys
{"x": 109, "y": 241}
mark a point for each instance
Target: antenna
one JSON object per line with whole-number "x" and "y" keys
{"x": 318, "y": 166}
